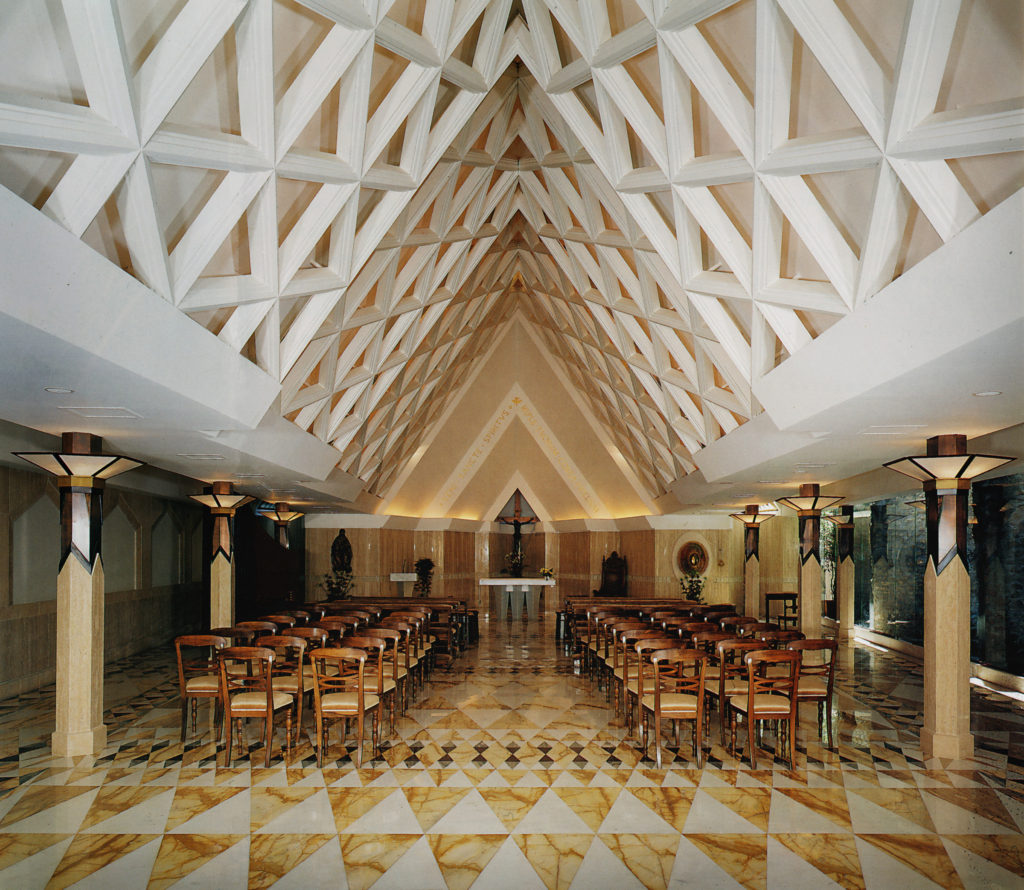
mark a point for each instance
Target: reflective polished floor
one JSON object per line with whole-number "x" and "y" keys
{"x": 509, "y": 773}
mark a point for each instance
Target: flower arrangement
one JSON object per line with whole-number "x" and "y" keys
{"x": 337, "y": 583}
{"x": 547, "y": 574}
{"x": 514, "y": 564}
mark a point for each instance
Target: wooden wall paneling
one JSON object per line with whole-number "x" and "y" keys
{"x": 639, "y": 547}
{"x": 779, "y": 553}
{"x": 460, "y": 566}
{"x": 431, "y": 544}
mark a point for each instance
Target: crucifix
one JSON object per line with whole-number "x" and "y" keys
{"x": 517, "y": 521}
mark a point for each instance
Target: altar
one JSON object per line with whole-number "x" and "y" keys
{"x": 516, "y": 591}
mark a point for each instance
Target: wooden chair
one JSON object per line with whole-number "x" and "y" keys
{"x": 376, "y": 676}
{"x": 197, "y": 673}
{"x": 735, "y": 622}
{"x": 238, "y": 636}
{"x": 289, "y": 669}
{"x": 643, "y": 683}
{"x": 769, "y": 696}
{"x": 339, "y": 693}
{"x": 732, "y": 674}
{"x": 758, "y": 627}
{"x": 315, "y": 637}
{"x": 817, "y": 677}
{"x": 337, "y": 626}
{"x": 282, "y": 620}
{"x": 247, "y": 690}
{"x": 777, "y": 639}
{"x": 261, "y": 626}
{"x": 677, "y": 694}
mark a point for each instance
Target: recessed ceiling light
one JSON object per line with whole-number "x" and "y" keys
{"x": 987, "y": 393}
{"x": 202, "y": 456}
{"x": 61, "y": 390}
{"x": 249, "y": 475}
{"x": 102, "y": 412}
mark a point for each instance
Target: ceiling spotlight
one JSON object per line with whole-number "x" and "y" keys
{"x": 63, "y": 390}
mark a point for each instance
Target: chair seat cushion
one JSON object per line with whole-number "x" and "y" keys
{"x": 370, "y": 684}
{"x": 257, "y": 701}
{"x": 765, "y": 705}
{"x": 205, "y": 683}
{"x": 813, "y": 686}
{"x": 680, "y": 704}
{"x": 346, "y": 702}
{"x": 288, "y": 682}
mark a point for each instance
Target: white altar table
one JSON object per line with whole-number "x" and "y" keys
{"x": 403, "y": 580}
{"x": 515, "y": 591}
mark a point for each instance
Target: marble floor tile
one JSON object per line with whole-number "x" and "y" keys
{"x": 510, "y": 770}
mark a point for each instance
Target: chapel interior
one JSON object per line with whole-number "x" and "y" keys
{"x": 522, "y": 326}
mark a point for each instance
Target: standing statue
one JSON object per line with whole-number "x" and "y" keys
{"x": 341, "y": 553}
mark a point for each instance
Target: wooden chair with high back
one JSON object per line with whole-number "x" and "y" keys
{"x": 735, "y": 622}
{"x": 752, "y": 630}
{"x": 282, "y": 619}
{"x": 770, "y": 696}
{"x": 340, "y": 693}
{"x": 238, "y": 636}
{"x": 614, "y": 576}
{"x": 642, "y": 682}
{"x": 247, "y": 690}
{"x": 315, "y": 637}
{"x": 290, "y": 672}
{"x": 626, "y": 678}
{"x": 396, "y": 660}
{"x": 378, "y": 674}
{"x": 817, "y": 677}
{"x": 301, "y": 616}
{"x": 407, "y": 652}
{"x": 732, "y": 674}
{"x": 197, "y": 673}
{"x": 677, "y": 695}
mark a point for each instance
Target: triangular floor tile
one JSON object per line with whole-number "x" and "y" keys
{"x": 887, "y": 811}
{"x": 312, "y": 816}
{"x": 271, "y": 856}
{"x": 694, "y": 867}
{"x": 431, "y": 804}
{"x": 649, "y": 856}
{"x": 182, "y": 854}
{"x": 957, "y": 811}
{"x": 790, "y": 813}
{"x": 228, "y": 869}
{"x": 368, "y": 856}
{"x": 629, "y": 816}
{"x": 322, "y": 870}
{"x": 709, "y": 816}
{"x": 391, "y": 816}
{"x": 470, "y": 815}
{"x": 510, "y": 805}
{"x": 592, "y": 805}
{"x": 990, "y": 862}
{"x": 416, "y": 868}
{"x": 461, "y": 857}
{"x": 555, "y": 857}
{"x": 601, "y": 869}
{"x": 508, "y": 868}
{"x": 880, "y": 869}
{"x": 551, "y": 815}
{"x": 832, "y": 858}
{"x": 89, "y": 853}
{"x": 268, "y": 804}
{"x": 743, "y": 857}
{"x": 32, "y": 860}
{"x": 130, "y": 870}
{"x": 230, "y": 816}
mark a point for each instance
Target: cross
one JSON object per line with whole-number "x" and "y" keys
{"x": 517, "y": 522}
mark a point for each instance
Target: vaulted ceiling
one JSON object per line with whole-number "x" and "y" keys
{"x": 361, "y": 199}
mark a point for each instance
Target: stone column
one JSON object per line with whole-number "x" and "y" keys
{"x": 808, "y": 506}
{"x": 752, "y": 517}
{"x": 845, "y": 574}
{"x": 947, "y": 614}
{"x": 81, "y": 469}
{"x": 223, "y": 503}
{"x": 80, "y": 600}
{"x": 945, "y": 471}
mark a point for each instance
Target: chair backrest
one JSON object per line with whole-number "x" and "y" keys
{"x": 337, "y": 626}
{"x": 197, "y": 655}
{"x": 241, "y": 636}
{"x": 752, "y": 630}
{"x": 731, "y": 654}
{"x": 824, "y": 665}
{"x": 708, "y": 640}
{"x": 289, "y": 653}
{"x": 338, "y": 670}
{"x": 253, "y": 673}
{"x": 776, "y": 637}
{"x": 644, "y": 647}
{"x": 614, "y": 576}
{"x": 282, "y": 620}
{"x": 373, "y": 648}
{"x": 763, "y": 682}
{"x": 315, "y": 637}
{"x": 679, "y": 671}
{"x": 727, "y": 621}
{"x": 269, "y": 627}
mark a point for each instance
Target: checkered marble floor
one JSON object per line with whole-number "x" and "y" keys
{"x": 509, "y": 773}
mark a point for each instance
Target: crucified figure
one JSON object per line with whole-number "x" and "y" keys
{"x": 517, "y": 521}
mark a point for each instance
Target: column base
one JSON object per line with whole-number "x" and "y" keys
{"x": 78, "y": 744}
{"x": 948, "y": 746}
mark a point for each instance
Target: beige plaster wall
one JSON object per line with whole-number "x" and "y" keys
{"x": 134, "y": 619}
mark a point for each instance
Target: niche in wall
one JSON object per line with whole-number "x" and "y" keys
{"x": 119, "y": 551}
{"x": 167, "y": 567}
{"x": 35, "y": 553}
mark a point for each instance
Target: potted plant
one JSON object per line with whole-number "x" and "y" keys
{"x": 424, "y": 568}
{"x": 337, "y": 583}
